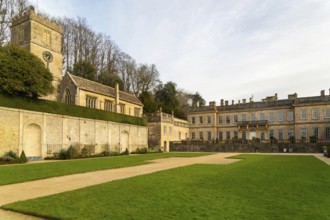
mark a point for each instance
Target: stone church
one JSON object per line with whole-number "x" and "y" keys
{"x": 42, "y": 134}
{"x": 43, "y": 38}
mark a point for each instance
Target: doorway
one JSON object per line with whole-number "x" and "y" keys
{"x": 32, "y": 140}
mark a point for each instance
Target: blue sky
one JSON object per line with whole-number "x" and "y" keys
{"x": 223, "y": 49}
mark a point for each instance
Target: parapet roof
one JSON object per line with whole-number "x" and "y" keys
{"x": 264, "y": 104}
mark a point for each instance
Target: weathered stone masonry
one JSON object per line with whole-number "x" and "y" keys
{"x": 42, "y": 134}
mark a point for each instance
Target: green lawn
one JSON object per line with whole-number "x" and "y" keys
{"x": 258, "y": 187}
{"x": 27, "y": 172}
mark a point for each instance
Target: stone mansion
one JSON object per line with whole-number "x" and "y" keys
{"x": 294, "y": 117}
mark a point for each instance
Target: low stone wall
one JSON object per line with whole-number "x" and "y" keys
{"x": 42, "y": 134}
{"x": 249, "y": 147}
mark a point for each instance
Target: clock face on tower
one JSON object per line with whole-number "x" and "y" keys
{"x": 48, "y": 57}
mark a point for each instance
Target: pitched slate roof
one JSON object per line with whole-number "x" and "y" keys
{"x": 95, "y": 87}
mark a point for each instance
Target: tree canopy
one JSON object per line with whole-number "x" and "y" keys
{"x": 22, "y": 73}
{"x": 85, "y": 70}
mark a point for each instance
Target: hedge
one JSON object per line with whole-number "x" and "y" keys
{"x": 52, "y": 107}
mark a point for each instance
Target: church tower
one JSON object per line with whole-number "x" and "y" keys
{"x": 43, "y": 38}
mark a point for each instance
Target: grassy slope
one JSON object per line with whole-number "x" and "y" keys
{"x": 260, "y": 187}
{"x": 27, "y": 172}
{"x": 59, "y": 108}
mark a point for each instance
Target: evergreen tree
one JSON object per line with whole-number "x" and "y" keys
{"x": 22, "y": 73}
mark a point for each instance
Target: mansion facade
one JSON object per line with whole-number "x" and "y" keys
{"x": 269, "y": 119}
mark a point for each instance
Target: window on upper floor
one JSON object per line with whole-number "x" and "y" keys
{"x": 262, "y": 116}
{"x": 303, "y": 113}
{"x": 271, "y": 116}
{"x": 228, "y": 119}
{"x": 200, "y": 119}
{"x": 243, "y": 117}
{"x": 219, "y": 119}
{"x": 164, "y": 129}
{"x": 209, "y": 119}
{"x": 235, "y": 118}
{"x": 289, "y": 116}
{"x": 327, "y": 113}
{"x": 315, "y": 113}
{"x": 279, "y": 116}
{"x": 201, "y": 135}
{"x": 252, "y": 117}
{"x": 193, "y": 120}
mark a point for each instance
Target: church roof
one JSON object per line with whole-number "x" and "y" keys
{"x": 99, "y": 88}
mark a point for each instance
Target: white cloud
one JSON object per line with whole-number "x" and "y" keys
{"x": 222, "y": 49}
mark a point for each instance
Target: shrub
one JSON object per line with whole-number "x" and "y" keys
{"x": 84, "y": 152}
{"x": 114, "y": 153}
{"x": 7, "y": 158}
{"x": 22, "y": 158}
{"x": 62, "y": 154}
{"x": 11, "y": 154}
{"x": 72, "y": 152}
{"x": 126, "y": 152}
{"x": 143, "y": 150}
{"x": 105, "y": 153}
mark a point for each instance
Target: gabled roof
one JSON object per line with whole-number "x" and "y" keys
{"x": 99, "y": 88}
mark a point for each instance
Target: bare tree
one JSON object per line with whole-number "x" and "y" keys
{"x": 8, "y": 10}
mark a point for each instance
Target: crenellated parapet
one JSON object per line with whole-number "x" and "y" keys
{"x": 31, "y": 15}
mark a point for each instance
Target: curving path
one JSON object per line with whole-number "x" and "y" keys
{"x": 39, "y": 188}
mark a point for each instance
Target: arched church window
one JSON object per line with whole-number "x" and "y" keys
{"x": 67, "y": 96}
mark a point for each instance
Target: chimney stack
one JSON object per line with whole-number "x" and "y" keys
{"x": 212, "y": 103}
{"x": 232, "y": 102}
{"x": 117, "y": 98}
{"x": 221, "y": 101}
{"x": 226, "y": 102}
{"x": 292, "y": 96}
{"x": 197, "y": 104}
{"x": 322, "y": 93}
{"x": 244, "y": 101}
